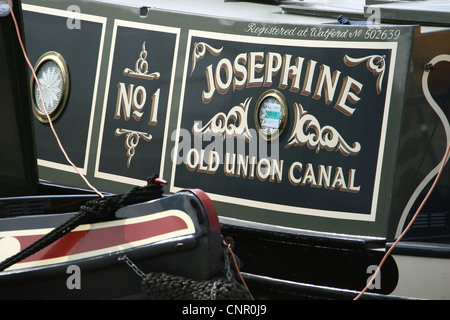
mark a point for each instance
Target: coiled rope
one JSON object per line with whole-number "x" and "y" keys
{"x": 163, "y": 286}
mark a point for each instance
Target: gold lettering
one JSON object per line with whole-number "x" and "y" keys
{"x": 349, "y": 83}
{"x": 327, "y": 81}
{"x": 273, "y": 63}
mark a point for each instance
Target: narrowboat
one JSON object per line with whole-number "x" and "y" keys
{"x": 318, "y": 129}
{"x": 65, "y": 242}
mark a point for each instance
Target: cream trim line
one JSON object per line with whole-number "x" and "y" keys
{"x": 177, "y": 213}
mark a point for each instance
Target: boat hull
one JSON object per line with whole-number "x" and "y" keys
{"x": 185, "y": 91}
{"x": 177, "y": 235}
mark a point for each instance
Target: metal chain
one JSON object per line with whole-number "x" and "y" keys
{"x": 227, "y": 265}
{"x": 132, "y": 266}
{"x": 214, "y": 291}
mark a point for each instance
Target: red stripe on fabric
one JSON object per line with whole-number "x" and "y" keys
{"x": 89, "y": 240}
{"x": 210, "y": 209}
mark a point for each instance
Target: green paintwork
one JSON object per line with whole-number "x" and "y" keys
{"x": 406, "y": 159}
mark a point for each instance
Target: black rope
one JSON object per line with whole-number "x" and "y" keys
{"x": 163, "y": 286}
{"x": 92, "y": 211}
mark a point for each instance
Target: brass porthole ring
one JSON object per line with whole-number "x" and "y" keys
{"x": 271, "y": 114}
{"x": 53, "y": 75}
